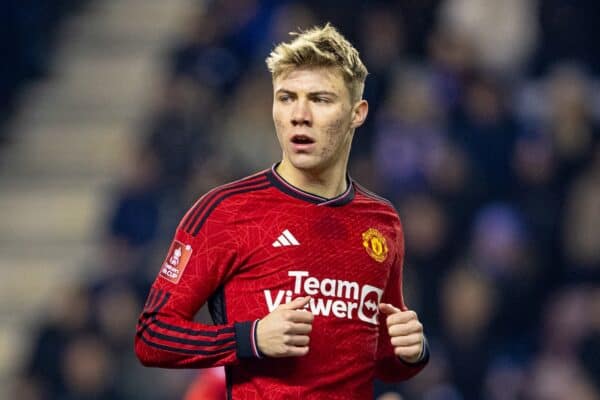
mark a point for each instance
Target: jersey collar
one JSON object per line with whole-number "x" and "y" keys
{"x": 293, "y": 191}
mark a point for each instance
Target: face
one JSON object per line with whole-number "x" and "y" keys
{"x": 315, "y": 119}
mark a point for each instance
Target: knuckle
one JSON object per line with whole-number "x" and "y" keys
{"x": 281, "y": 351}
{"x": 287, "y": 326}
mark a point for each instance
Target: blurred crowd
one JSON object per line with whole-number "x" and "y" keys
{"x": 27, "y": 37}
{"x": 483, "y": 131}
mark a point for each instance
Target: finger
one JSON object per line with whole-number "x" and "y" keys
{"x": 297, "y": 351}
{"x": 405, "y": 329}
{"x": 297, "y": 340}
{"x": 300, "y": 329}
{"x": 301, "y": 316}
{"x": 295, "y": 304}
{"x": 407, "y": 340}
{"x": 388, "y": 309}
{"x": 408, "y": 353}
{"x": 401, "y": 317}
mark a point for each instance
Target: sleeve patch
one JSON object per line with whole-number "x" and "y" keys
{"x": 176, "y": 261}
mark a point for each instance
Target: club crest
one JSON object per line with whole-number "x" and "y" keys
{"x": 375, "y": 245}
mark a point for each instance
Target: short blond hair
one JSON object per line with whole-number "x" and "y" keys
{"x": 320, "y": 47}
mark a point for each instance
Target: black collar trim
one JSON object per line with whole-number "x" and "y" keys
{"x": 293, "y": 191}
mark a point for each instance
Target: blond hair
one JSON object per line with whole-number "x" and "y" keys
{"x": 320, "y": 47}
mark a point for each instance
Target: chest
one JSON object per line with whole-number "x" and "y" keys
{"x": 340, "y": 257}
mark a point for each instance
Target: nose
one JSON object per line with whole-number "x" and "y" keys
{"x": 301, "y": 114}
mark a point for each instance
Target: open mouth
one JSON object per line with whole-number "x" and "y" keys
{"x": 302, "y": 139}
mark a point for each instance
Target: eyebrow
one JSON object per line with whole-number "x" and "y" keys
{"x": 317, "y": 93}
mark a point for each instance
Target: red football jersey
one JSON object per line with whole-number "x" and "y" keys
{"x": 251, "y": 245}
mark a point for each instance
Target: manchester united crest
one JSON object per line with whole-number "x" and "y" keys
{"x": 375, "y": 245}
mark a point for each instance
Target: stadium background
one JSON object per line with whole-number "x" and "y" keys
{"x": 483, "y": 130}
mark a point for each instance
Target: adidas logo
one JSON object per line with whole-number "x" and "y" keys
{"x": 286, "y": 239}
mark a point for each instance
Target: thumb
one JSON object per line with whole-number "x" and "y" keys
{"x": 388, "y": 309}
{"x": 295, "y": 304}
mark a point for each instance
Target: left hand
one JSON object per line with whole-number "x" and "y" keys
{"x": 406, "y": 332}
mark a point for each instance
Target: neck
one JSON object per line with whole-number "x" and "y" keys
{"x": 328, "y": 183}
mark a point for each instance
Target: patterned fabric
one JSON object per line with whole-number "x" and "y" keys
{"x": 230, "y": 249}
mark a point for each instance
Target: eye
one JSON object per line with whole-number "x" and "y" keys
{"x": 321, "y": 99}
{"x": 284, "y": 98}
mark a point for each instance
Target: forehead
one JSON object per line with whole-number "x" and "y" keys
{"x": 311, "y": 80}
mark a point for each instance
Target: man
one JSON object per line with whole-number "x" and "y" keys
{"x": 301, "y": 267}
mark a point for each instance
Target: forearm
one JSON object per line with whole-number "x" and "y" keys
{"x": 165, "y": 339}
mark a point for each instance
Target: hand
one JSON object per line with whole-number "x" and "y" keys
{"x": 284, "y": 331}
{"x": 406, "y": 332}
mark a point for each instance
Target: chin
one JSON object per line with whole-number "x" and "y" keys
{"x": 303, "y": 162}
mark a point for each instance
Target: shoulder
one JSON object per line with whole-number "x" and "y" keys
{"x": 381, "y": 209}
{"x": 219, "y": 203}
{"x": 365, "y": 195}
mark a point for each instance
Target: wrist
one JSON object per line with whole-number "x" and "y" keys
{"x": 245, "y": 335}
{"x": 423, "y": 355}
{"x": 258, "y": 352}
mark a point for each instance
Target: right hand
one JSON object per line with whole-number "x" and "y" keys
{"x": 284, "y": 331}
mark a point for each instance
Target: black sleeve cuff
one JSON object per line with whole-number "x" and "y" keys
{"x": 245, "y": 337}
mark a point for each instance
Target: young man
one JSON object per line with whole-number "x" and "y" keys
{"x": 301, "y": 267}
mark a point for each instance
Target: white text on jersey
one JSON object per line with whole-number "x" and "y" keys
{"x": 336, "y": 297}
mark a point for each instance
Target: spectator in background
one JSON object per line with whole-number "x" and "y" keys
{"x": 382, "y": 39}
{"x": 426, "y": 227}
{"x": 409, "y": 135}
{"x": 204, "y": 55}
{"x": 467, "y": 308}
{"x": 537, "y": 194}
{"x": 569, "y": 121}
{"x": 179, "y": 138}
{"x": 504, "y": 33}
{"x": 69, "y": 317}
{"x": 555, "y": 371}
{"x": 581, "y": 240}
{"x": 249, "y": 136}
{"x": 452, "y": 59}
{"x": 485, "y": 128}
{"x": 500, "y": 250}
{"x": 87, "y": 370}
{"x": 137, "y": 198}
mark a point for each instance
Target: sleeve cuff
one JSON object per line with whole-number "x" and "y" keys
{"x": 423, "y": 358}
{"x": 245, "y": 337}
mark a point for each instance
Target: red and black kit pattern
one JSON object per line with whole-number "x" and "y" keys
{"x": 248, "y": 246}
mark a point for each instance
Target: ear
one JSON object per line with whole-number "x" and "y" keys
{"x": 359, "y": 113}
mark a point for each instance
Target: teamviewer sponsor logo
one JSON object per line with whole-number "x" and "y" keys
{"x": 330, "y": 297}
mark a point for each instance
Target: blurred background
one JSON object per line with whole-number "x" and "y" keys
{"x": 116, "y": 115}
